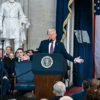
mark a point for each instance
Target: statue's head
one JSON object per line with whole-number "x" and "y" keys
{"x": 11, "y": 1}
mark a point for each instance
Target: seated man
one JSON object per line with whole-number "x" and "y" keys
{"x": 59, "y": 90}
{"x": 8, "y": 61}
{"x": 20, "y": 56}
{"x": 4, "y": 79}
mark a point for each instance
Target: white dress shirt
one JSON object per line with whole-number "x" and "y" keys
{"x": 53, "y": 45}
{"x": 19, "y": 60}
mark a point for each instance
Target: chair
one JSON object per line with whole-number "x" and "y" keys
{"x": 24, "y": 76}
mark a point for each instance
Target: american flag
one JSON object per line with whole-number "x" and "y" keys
{"x": 97, "y": 36}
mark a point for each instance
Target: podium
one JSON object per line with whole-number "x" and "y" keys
{"x": 47, "y": 69}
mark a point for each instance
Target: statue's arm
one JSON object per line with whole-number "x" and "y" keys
{"x": 23, "y": 19}
{"x": 21, "y": 13}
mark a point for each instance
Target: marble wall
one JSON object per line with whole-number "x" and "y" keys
{"x": 42, "y": 16}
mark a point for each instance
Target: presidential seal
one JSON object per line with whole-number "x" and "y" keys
{"x": 47, "y": 62}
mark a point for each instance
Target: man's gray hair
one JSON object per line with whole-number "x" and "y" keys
{"x": 59, "y": 88}
{"x": 65, "y": 98}
{"x": 50, "y": 30}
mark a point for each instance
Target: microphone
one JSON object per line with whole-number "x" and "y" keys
{"x": 50, "y": 40}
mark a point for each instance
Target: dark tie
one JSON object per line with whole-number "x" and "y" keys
{"x": 51, "y": 48}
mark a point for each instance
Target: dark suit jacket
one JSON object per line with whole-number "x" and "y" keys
{"x": 59, "y": 48}
{"x": 55, "y": 98}
{"x": 8, "y": 65}
{"x": 14, "y": 60}
{"x": 3, "y": 69}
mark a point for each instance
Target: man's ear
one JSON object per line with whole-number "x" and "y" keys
{"x": 54, "y": 91}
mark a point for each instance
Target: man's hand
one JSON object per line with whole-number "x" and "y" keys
{"x": 1, "y": 29}
{"x": 5, "y": 77}
{"x": 78, "y": 60}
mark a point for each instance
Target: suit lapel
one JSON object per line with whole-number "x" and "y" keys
{"x": 56, "y": 46}
{"x": 47, "y": 45}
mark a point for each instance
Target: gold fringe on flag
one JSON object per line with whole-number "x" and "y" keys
{"x": 66, "y": 20}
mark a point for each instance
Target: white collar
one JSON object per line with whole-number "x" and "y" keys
{"x": 54, "y": 41}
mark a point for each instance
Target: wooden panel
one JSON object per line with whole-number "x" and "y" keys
{"x": 44, "y": 84}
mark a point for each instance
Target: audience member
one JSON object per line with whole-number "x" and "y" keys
{"x": 86, "y": 84}
{"x": 20, "y": 55}
{"x": 15, "y": 55}
{"x": 8, "y": 51}
{"x": 29, "y": 96}
{"x": 59, "y": 90}
{"x": 4, "y": 79}
{"x": 92, "y": 94}
{"x": 11, "y": 56}
{"x": 1, "y": 54}
{"x": 8, "y": 61}
{"x": 92, "y": 88}
{"x": 27, "y": 53}
{"x": 30, "y": 52}
{"x": 65, "y": 98}
{"x": 94, "y": 83}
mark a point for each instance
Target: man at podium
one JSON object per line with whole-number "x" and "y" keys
{"x": 51, "y": 46}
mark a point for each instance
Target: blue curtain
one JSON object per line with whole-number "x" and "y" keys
{"x": 83, "y": 21}
{"x": 61, "y": 14}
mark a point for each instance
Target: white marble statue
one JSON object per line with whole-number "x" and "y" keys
{"x": 13, "y": 23}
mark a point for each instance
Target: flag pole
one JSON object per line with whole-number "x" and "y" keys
{"x": 93, "y": 39}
